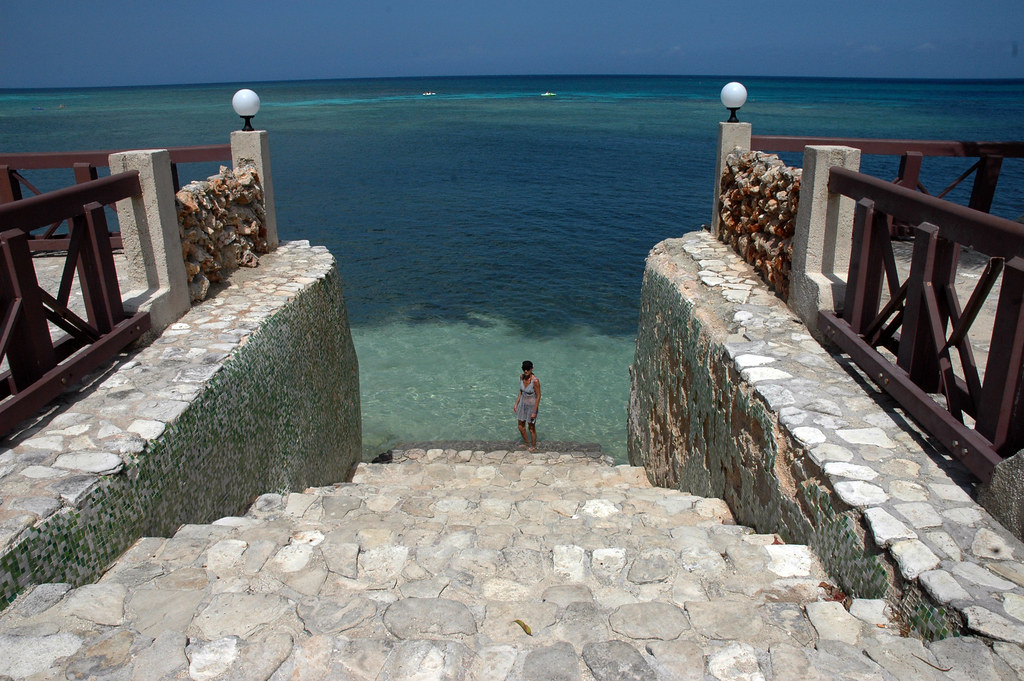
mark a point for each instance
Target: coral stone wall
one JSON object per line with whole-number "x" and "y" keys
{"x": 758, "y": 213}
{"x": 222, "y": 225}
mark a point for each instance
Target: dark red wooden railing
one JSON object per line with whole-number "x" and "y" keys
{"x": 85, "y": 165}
{"x": 923, "y": 320}
{"x": 40, "y": 368}
{"x": 985, "y": 170}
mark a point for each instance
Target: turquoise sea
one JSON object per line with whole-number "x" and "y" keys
{"x": 487, "y": 224}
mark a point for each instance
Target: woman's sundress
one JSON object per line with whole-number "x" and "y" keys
{"x": 527, "y": 402}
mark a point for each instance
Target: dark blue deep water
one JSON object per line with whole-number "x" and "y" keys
{"x": 487, "y": 224}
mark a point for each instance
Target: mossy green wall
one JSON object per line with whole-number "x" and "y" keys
{"x": 696, "y": 426}
{"x": 281, "y": 414}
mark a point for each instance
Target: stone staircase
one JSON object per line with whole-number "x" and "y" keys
{"x": 473, "y": 564}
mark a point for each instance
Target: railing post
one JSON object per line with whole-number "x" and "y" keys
{"x": 821, "y": 242}
{"x": 84, "y": 172}
{"x": 918, "y": 353}
{"x": 910, "y": 170}
{"x": 1001, "y": 411}
{"x": 730, "y": 136}
{"x": 910, "y": 177}
{"x": 97, "y": 274}
{"x": 10, "y": 190}
{"x": 152, "y": 243}
{"x": 985, "y": 180}
{"x": 864, "y": 277}
{"x": 30, "y": 346}
{"x": 253, "y": 147}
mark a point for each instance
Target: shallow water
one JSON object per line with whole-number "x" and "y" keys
{"x": 433, "y": 381}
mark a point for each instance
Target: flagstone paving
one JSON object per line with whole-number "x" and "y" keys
{"x": 474, "y": 564}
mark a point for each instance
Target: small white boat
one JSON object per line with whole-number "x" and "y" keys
{"x": 548, "y": 94}
{"x": 428, "y": 94}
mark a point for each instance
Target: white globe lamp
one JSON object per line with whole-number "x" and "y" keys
{"x": 734, "y": 95}
{"x": 246, "y": 104}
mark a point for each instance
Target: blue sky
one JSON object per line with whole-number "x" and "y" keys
{"x": 65, "y": 43}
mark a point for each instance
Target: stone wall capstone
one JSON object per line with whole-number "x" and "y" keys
{"x": 757, "y": 215}
{"x": 222, "y": 225}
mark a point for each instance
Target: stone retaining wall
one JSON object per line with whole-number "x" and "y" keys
{"x": 222, "y": 225}
{"x": 757, "y": 213}
{"x": 255, "y": 390}
{"x": 731, "y": 397}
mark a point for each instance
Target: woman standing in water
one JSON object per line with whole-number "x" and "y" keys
{"x": 527, "y": 403}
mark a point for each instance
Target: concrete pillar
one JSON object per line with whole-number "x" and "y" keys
{"x": 824, "y": 231}
{"x": 1003, "y": 495}
{"x": 253, "y": 147}
{"x": 152, "y": 241}
{"x": 730, "y": 136}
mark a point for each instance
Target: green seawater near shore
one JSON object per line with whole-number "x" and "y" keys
{"x": 462, "y": 379}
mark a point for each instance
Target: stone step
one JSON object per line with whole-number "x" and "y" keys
{"x": 482, "y": 565}
{"x": 467, "y": 467}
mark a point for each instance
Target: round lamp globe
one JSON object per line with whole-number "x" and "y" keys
{"x": 247, "y": 103}
{"x": 734, "y": 95}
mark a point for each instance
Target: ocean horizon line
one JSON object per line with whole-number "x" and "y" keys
{"x": 605, "y": 76}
